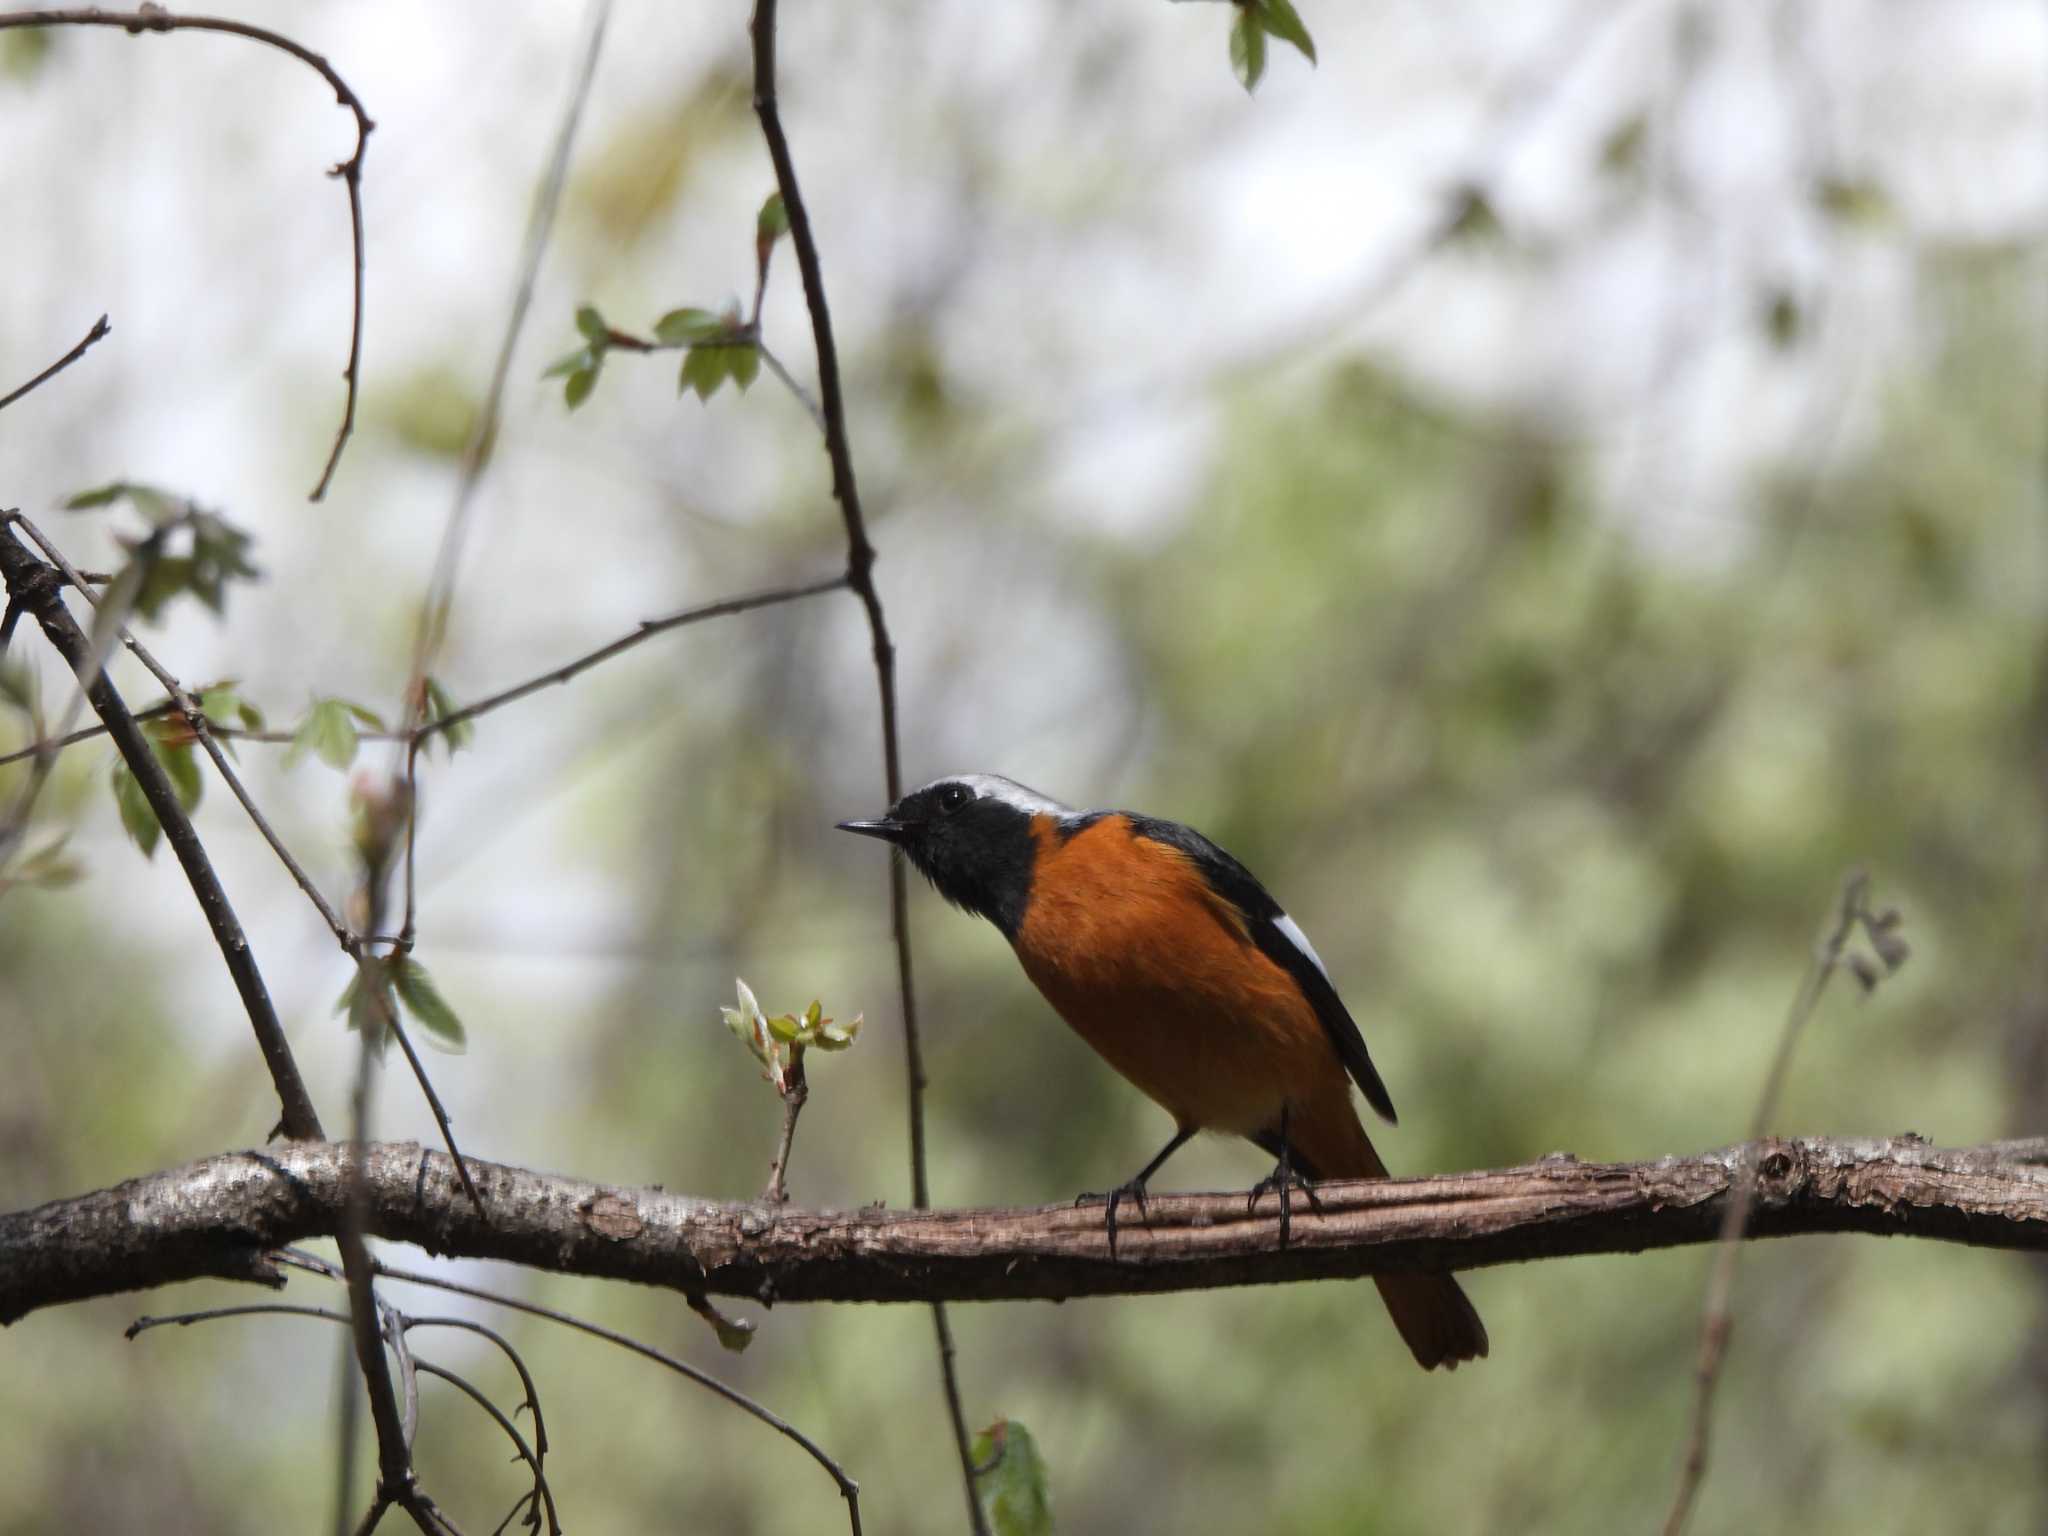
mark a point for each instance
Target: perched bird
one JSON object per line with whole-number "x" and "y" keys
{"x": 1169, "y": 958}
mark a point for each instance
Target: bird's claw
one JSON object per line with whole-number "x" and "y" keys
{"x": 1135, "y": 1191}
{"x": 1281, "y": 1182}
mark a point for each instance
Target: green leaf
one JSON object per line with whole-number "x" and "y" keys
{"x": 1280, "y": 18}
{"x": 1247, "y": 49}
{"x": 837, "y": 1037}
{"x": 328, "y": 732}
{"x": 369, "y": 1007}
{"x": 784, "y": 1027}
{"x": 772, "y": 222}
{"x": 424, "y": 1002}
{"x": 704, "y": 369}
{"x": 163, "y": 577}
{"x": 159, "y": 506}
{"x": 181, "y": 767}
{"x": 223, "y": 704}
{"x": 579, "y": 385}
{"x": 364, "y": 715}
{"x": 1015, "y": 1488}
{"x": 137, "y": 819}
{"x": 745, "y": 365}
{"x": 592, "y": 324}
{"x": 440, "y": 707}
{"x": 572, "y": 362}
{"x": 687, "y": 327}
{"x": 734, "y": 1334}
{"x": 219, "y": 554}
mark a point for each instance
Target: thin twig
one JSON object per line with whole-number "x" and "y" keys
{"x": 119, "y": 598}
{"x": 184, "y": 704}
{"x": 419, "y": 1073}
{"x": 526, "y": 1382}
{"x": 99, "y": 329}
{"x": 476, "y": 452}
{"x": 540, "y": 1480}
{"x": 860, "y": 561}
{"x": 646, "y": 631}
{"x": 396, "y": 1481}
{"x": 37, "y": 586}
{"x": 803, "y": 396}
{"x": 254, "y": 1309}
{"x": 1717, "y": 1321}
{"x": 154, "y": 18}
{"x": 793, "y": 1097}
{"x": 848, "y": 1488}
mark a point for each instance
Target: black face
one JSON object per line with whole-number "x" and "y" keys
{"x": 975, "y": 849}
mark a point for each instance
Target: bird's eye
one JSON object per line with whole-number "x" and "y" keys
{"x": 953, "y": 796}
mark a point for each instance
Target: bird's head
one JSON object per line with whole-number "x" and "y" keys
{"x": 971, "y": 836}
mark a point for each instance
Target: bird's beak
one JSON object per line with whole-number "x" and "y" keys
{"x": 887, "y": 828}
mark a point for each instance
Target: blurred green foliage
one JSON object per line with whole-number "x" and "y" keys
{"x": 1562, "y": 809}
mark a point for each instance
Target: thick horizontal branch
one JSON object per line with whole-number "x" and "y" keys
{"x": 219, "y": 1217}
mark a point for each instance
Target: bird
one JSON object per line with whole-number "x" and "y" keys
{"x": 1168, "y": 957}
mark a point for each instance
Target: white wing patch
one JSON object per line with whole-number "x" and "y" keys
{"x": 1299, "y": 940}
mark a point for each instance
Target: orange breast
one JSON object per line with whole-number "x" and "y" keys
{"x": 1158, "y": 973}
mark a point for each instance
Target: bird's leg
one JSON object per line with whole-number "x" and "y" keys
{"x": 1281, "y": 1180}
{"x": 1135, "y": 1188}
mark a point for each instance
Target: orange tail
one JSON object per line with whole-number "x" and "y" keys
{"x": 1436, "y": 1320}
{"x": 1434, "y": 1317}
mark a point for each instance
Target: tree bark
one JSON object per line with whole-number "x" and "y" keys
{"x": 219, "y": 1217}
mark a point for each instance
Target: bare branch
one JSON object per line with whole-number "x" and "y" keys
{"x": 154, "y": 18}
{"x": 37, "y": 588}
{"x": 793, "y": 1099}
{"x": 860, "y": 562}
{"x": 211, "y": 1218}
{"x": 519, "y": 1445}
{"x": 848, "y": 1488}
{"x": 99, "y": 329}
{"x": 531, "y": 1402}
{"x": 184, "y": 705}
{"x": 648, "y": 629}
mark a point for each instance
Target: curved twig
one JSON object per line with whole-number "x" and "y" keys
{"x": 860, "y": 564}
{"x": 848, "y": 1488}
{"x": 154, "y": 18}
{"x": 540, "y": 1479}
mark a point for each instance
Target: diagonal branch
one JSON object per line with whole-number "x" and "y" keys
{"x": 217, "y": 1216}
{"x": 154, "y": 18}
{"x": 38, "y": 588}
{"x": 99, "y": 329}
{"x": 646, "y": 630}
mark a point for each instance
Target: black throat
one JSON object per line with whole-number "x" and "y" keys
{"x": 980, "y": 859}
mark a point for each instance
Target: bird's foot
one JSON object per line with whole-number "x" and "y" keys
{"x": 1133, "y": 1191}
{"x": 1282, "y": 1181}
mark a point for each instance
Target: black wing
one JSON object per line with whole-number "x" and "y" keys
{"x": 1263, "y": 915}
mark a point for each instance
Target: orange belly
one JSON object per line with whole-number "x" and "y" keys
{"x": 1159, "y": 974}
